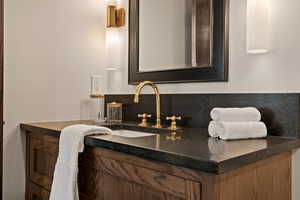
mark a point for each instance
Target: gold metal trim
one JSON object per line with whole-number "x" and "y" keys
{"x": 111, "y": 16}
{"x": 114, "y": 104}
{"x": 173, "y": 123}
{"x": 115, "y": 17}
{"x": 96, "y": 96}
{"x": 120, "y": 17}
{"x": 144, "y": 119}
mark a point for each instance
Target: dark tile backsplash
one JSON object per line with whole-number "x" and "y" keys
{"x": 280, "y": 112}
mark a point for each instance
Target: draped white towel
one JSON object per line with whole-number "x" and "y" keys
{"x": 236, "y": 114}
{"x": 71, "y": 143}
{"x": 241, "y": 130}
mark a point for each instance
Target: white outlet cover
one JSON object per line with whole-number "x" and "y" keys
{"x": 96, "y": 84}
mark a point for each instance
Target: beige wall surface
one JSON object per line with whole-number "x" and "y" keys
{"x": 51, "y": 49}
{"x": 53, "y": 46}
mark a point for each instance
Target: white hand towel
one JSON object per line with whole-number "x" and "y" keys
{"x": 235, "y": 114}
{"x": 213, "y": 129}
{"x": 71, "y": 142}
{"x": 241, "y": 130}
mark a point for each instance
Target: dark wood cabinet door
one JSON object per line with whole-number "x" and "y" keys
{"x": 103, "y": 177}
{"x": 43, "y": 156}
{"x": 100, "y": 185}
{"x": 109, "y": 175}
{"x": 108, "y": 178}
{"x": 37, "y": 193}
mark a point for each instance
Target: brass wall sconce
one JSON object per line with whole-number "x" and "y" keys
{"x": 115, "y": 17}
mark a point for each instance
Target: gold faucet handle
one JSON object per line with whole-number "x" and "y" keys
{"x": 174, "y": 118}
{"x": 144, "y": 116}
{"x": 173, "y": 123}
{"x": 144, "y": 119}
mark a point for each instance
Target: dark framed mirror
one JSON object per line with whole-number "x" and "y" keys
{"x": 178, "y": 40}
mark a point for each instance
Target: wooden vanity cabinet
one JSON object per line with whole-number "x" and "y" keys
{"x": 104, "y": 175}
{"x": 109, "y": 175}
{"x": 36, "y": 192}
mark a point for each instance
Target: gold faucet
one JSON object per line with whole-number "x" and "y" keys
{"x": 155, "y": 88}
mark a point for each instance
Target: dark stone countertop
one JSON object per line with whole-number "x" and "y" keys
{"x": 195, "y": 150}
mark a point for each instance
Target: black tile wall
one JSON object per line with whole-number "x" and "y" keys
{"x": 280, "y": 112}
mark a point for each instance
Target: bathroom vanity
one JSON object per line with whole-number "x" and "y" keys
{"x": 164, "y": 166}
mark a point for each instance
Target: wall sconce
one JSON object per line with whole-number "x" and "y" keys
{"x": 258, "y": 26}
{"x": 113, "y": 41}
{"x": 115, "y": 16}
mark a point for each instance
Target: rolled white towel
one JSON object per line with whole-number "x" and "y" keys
{"x": 213, "y": 129}
{"x": 241, "y": 130}
{"x": 249, "y": 114}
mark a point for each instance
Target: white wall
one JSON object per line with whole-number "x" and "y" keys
{"x": 51, "y": 49}
{"x": 275, "y": 72}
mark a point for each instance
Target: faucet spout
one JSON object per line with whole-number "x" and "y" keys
{"x": 157, "y": 95}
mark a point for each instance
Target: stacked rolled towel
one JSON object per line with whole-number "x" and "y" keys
{"x": 236, "y": 123}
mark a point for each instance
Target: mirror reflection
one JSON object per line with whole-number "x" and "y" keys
{"x": 174, "y": 34}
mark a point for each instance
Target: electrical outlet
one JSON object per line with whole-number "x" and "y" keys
{"x": 96, "y": 85}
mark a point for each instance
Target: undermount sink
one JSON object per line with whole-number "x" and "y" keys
{"x": 130, "y": 133}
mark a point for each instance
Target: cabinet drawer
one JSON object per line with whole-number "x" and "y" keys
{"x": 37, "y": 193}
{"x": 42, "y": 160}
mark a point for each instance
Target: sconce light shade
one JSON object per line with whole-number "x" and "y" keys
{"x": 258, "y": 26}
{"x": 113, "y": 58}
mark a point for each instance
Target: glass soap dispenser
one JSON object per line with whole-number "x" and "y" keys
{"x": 114, "y": 112}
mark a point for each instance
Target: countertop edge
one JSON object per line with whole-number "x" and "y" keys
{"x": 246, "y": 159}
{"x": 187, "y": 162}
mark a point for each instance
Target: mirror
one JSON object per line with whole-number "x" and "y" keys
{"x": 169, "y": 31}
{"x": 178, "y": 40}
